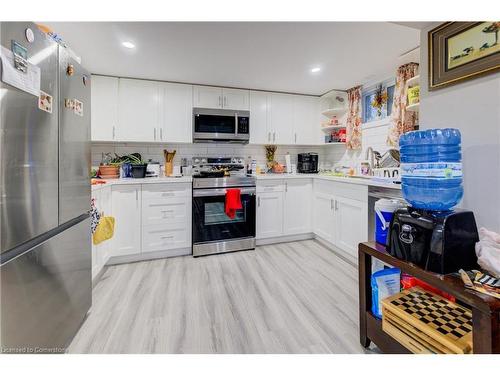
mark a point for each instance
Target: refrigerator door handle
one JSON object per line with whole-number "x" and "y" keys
{"x": 30, "y": 245}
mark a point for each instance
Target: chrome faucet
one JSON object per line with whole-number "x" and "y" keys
{"x": 370, "y": 156}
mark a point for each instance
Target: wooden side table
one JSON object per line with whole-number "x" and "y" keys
{"x": 485, "y": 309}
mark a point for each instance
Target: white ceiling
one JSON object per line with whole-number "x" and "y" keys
{"x": 268, "y": 56}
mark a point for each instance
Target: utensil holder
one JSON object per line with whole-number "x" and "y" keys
{"x": 169, "y": 167}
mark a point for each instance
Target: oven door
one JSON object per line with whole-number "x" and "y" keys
{"x": 210, "y": 222}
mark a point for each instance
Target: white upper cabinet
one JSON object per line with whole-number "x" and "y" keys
{"x": 134, "y": 110}
{"x": 259, "y": 133}
{"x": 207, "y": 97}
{"x": 306, "y": 120}
{"x": 176, "y": 113}
{"x": 217, "y": 97}
{"x": 284, "y": 119}
{"x": 139, "y": 111}
{"x": 280, "y": 118}
{"x": 104, "y": 100}
{"x": 235, "y": 99}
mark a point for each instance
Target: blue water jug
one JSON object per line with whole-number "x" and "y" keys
{"x": 431, "y": 168}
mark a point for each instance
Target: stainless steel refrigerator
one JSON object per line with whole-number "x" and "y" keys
{"x": 45, "y": 271}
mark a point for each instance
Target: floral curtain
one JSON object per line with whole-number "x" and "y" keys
{"x": 401, "y": 120}
{"x": 353, "y": 123}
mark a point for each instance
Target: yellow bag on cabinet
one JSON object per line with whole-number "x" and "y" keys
{"x": 104, "y": 230}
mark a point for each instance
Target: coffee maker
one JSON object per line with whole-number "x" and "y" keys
{"x": 307, "y": 162}
{"x": 437, "y": 241}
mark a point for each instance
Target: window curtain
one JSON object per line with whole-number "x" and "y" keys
{"x": 353, "y": 123}
{"x": 401, "y": 120}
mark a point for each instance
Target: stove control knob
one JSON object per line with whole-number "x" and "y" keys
{"x": 233, "y": 160}
{"x": 240, "y": 161}
{"x": 196, "y": 160}
{"x": 204, "y": 160}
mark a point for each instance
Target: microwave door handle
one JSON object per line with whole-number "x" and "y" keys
{"x": 236, "y": 123}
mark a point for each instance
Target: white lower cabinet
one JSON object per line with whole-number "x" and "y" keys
{"x": 324, "y": 219}
{"x": 162, "y": 237}
{"x": 340, "y": 214}
{"x": 151, "y": 218}
{"x": 297, "y": 207}
{"x": 166, "y": 217}
{"x": 101, "y": 252}
{"x": 126, "y": 206}
{"x": 283, "y": 207}
{"x": 351, "y": 224}
{"x": 269, "y": 214}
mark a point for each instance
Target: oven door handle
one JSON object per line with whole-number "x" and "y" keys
{"x": 219, "y": 192}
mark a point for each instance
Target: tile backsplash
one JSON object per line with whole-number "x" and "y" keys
{"x": 329, "y": 155}
{"x": 154, "y": 151}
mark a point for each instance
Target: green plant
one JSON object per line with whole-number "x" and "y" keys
{"x": 134, "y": 158}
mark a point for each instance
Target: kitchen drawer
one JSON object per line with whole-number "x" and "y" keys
{"x": 163, "y": 191}
{"x": 270, "y": 186}
{"x": 159, "y": 211}
{"x": 351, "y": 191}
{"x": 323, "y": 187}
{"x": 342, "y": 189}
{"x": 165, "y": 237}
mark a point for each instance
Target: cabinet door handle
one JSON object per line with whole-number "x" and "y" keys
{"x": 336, "y": 205}
{"x": 295, "y": 137}
{"x": 113, "y": 132}
{"x": 274, "y": 136}
{"x": 269, "y": 136}
{"x": 331, "y": 204}
{"x": 161, "y": 133}
{"x": 258, "y": 202}
{"x": 220, "y": 101}
{"x": 154, "y": 131}
{"x": 225, "y": 101}
{"x": 286, "y": 187}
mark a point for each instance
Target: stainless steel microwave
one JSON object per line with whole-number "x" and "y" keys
{"x": 221, "y": 125}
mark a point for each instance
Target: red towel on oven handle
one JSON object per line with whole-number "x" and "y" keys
{"x": 233, "y": 202}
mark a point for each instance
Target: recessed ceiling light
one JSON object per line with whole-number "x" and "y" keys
{"x": 315, "y": 70}
{"x": 129, "y": 45}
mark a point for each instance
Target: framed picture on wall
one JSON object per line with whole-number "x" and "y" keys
{"x": 462, "y": 50}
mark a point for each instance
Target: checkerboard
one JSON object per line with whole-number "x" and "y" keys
{"x": 431, "y": 319}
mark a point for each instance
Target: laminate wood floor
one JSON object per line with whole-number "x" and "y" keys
{"x": 296, "y": 297}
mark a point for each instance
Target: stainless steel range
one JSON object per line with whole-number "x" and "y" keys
{"x": 214, "y": 231}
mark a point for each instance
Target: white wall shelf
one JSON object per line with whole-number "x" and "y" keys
{"x": 332, "y": 112}
{"x": 413, "y": 81}
{"x": 413, "y": 107}
{"x": 332, "y": 127}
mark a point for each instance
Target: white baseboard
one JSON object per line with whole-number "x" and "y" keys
{"x": 149, "y": 256}
{"x": 339, "y": 252}
{"x": 289, "y": 238}
{"x": 98, "y": 276}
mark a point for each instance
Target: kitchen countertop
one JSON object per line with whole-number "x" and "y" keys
{"x": 147, "y": 180}
{"x": 270, "y": 176}
{"x": 348, "y": 180}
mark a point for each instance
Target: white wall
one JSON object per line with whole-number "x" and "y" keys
{"x": 474, "y": 108}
